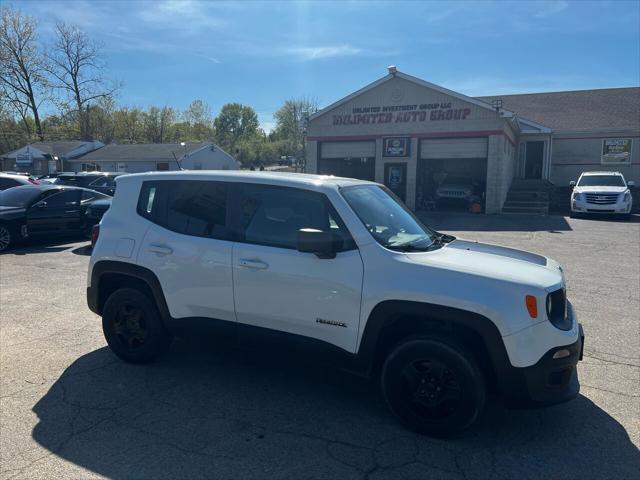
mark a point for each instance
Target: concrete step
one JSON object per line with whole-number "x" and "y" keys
{"x": 531, "y": 209}
{"x": 532, "y": 196}
{"x": 526, "y": 203}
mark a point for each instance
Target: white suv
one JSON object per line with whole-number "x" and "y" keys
{"x": 343, "y": 268}
{"x": 601, "y": 192}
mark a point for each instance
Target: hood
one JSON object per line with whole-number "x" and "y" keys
{"x": 597, "y": 189}
{"x": 495, "y": 262}
{"x": 10, "y": 213}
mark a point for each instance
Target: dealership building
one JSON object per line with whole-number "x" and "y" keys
{"x": 427, "y": 143}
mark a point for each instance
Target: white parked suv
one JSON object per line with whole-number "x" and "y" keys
{"x": 343, "y": 268}
{"x": 601, "y": 193}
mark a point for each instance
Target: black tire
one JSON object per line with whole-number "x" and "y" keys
{"x": 7, "y": 237}
{"x": 133, "y": 327}
{"x": 435, "y": 387}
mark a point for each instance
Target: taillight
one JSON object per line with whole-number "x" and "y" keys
{"x": 95, "y": 232}
{"x": 34, "y": 181}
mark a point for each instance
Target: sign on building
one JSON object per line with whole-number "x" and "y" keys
{"x": 24, "y": 159}
{"x": 396, "y": 146}
{"x": 616, "y": 150}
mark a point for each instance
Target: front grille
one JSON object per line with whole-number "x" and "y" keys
{"x": 602, "y": 198}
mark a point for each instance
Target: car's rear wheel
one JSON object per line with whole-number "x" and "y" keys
{"x": 133, "y": 328}
{"x": 434, "y": 387}
{"x": 6, "y": 238}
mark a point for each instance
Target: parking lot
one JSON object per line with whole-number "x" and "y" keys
{"x": 70, "y": 409}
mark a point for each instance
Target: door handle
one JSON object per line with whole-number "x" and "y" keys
{"x": 160, "y": 249}
{"x": 255, "y": 264}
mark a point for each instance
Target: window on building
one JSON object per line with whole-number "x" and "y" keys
{"x": 197, "y": 166}
{"x": 162, "y": 166}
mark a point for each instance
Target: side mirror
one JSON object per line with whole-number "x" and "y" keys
{"x": 41, "y": 205}
{"x": 631, "y": 184}
{"x": 572, "y": 183}
{"x": 323, "y": 244}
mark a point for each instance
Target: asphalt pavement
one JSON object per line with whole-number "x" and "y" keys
{"x": 70, "y": 409}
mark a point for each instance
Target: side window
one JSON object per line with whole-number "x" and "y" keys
{"x": 190, "y": 207}
{"x": 272, "y": 216}
{"x": 63, "y": 199}
{"x": 91, "y": 195}
{"x": 102, "y": 182}
{"x": 7, "y": 183}
{"x": 198, "y": 208}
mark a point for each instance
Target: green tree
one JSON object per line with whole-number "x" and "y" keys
{"x": 291, "y": 125}
{"x": 235, "y": 123}
{"x": 23, "y": 81}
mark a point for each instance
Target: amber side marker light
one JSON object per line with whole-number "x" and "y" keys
{"x": 532, "y": 306}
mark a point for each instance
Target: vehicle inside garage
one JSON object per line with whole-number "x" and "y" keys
{"x": 452, "y": 174}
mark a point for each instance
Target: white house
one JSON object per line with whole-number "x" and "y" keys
{"x": 145, "y": 157}
{"x": 41, "y": 158}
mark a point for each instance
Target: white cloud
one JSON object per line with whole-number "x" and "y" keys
{"x": 315, "y": 53}
{"x": 179, "y": 15}
{"x": 551, "y": 8}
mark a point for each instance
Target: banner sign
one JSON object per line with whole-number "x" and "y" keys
{"x": 616, "y": 150}
{"x": 402, "y": 114}
{"x": 395, "y": 146}
{"x": 24, "y": 159}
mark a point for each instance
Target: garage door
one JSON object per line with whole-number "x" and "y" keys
{"x": 444, "y": 148}
{"x": 347, "y": 149}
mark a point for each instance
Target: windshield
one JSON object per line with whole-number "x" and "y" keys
{"x": 387, "y": 219}
{"x": 601, "y": 181}
{"x": 19, "y": 196}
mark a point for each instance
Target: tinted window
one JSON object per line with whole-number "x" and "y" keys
{"x": 189, "y": 207}
{"x": 92, "y": 195}
{"x": 103, "y": 182}
{"x": 63, "y": 199}
{"x": 7, "y": 183}
{"x": 19, "y": 196}
{"x": 601, "y": 181}
{"x": 273, "y": 215}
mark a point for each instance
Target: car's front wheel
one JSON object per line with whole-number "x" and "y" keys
{"x": 133, "y": 328}
{"x": 6, "y": 237}
{"x": 433, "y": 386}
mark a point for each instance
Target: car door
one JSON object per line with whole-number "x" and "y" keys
{"x": 188, "y": 246}
{"x": 276, "y": 286}
{"x": 57, "y": 213}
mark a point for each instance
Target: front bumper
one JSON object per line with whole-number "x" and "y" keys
{"x": 584, "y": 207}
{"x": 549, "y": 381}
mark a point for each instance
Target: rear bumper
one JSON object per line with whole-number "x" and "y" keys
{"x": 548, "y": 382}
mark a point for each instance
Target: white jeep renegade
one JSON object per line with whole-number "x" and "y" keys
{"x": 344, "y": 268}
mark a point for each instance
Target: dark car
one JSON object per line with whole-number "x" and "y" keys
{"x": 9, "y": 180}
{"x": 48, "y": 210}
{"x": 103, "y": 182}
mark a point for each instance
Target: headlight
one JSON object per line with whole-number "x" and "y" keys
{"x": 578, "y": 197}
{"x": 557, "y": 310}
{"x": 627, "y": 197}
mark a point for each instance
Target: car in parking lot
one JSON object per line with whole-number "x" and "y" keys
{"x": 49, "y": 211}
{"x": 601, "y": 193}
{"x": 9, "y": 180}
{"x": 103, "y": 182}
{"x": 342, "y": 268}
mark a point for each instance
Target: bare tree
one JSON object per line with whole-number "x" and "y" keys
{"x": 75, "y": 62}
{"x": 22, "y": 73}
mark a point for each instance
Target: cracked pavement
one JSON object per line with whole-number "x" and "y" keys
{"x": 70, "y": 409}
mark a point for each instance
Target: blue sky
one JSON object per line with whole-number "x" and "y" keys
{"x": 262, "y": 53}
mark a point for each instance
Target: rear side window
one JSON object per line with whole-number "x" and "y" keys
{"x": 272, "y": 216}
{"x": 190, "y": 207}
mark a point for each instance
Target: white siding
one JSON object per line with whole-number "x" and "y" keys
{"x": 348, "y": 149}
{"x": 453, "y": 148}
